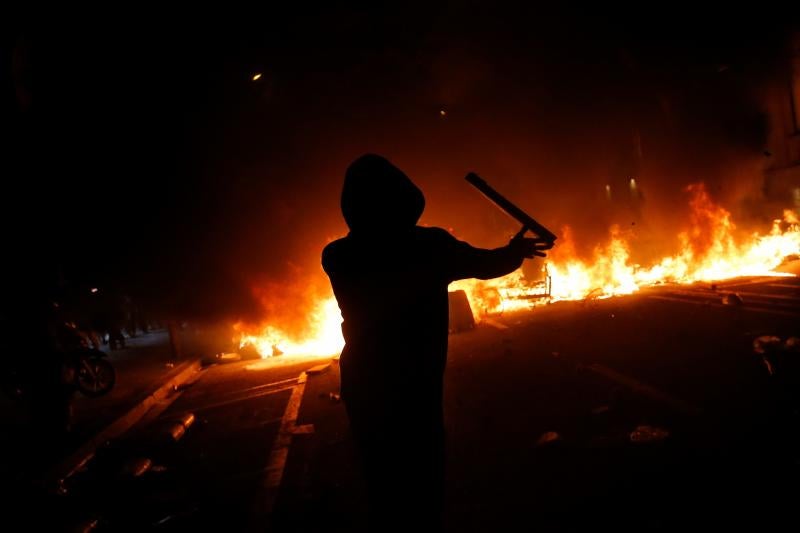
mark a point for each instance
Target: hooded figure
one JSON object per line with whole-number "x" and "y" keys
{"x": 390, "y": 279}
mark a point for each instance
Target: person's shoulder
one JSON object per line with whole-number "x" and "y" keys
{"x": 435, "y": 234}
{"x": 335, "y": 248}
{"x": 333, "y": 251}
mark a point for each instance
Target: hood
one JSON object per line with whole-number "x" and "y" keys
{"x": 377, "y": 196}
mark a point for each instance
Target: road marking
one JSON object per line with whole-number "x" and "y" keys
{"x": 494, "y": 323}
{"x": 768, "y": 296}
{"x": 752, "y": 299}
{"x": 755, "y": 281}
{"x": 248, "y": 393}
{"x": 783, "y": 285}
{"x": 641, "y": 388}
{"x": 305, "y": 429}
{"x": 259, "y": 394}
{"x": 291, "y": 381}
{"x": 706, "y": 301}
{"x": 276, "y": 463}
{"x": 719, "y": 294}
{"x": 319, "y": 369}
{"x": 685, "y": 299}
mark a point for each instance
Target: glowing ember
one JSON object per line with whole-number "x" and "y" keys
{"x": 709, "y": 250}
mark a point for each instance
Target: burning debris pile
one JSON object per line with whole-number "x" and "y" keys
{"x": 709, "y": 249}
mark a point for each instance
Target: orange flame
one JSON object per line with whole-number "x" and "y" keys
{"x": 709, "y": 250}
{"x": 321, "y": 336}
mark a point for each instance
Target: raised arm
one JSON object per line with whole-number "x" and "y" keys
{"x": 463, "y": 260}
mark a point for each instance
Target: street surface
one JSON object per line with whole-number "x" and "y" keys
{"x": 640, "y": 413}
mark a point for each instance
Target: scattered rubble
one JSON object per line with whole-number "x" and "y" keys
{"x": 765, "y": 343}
{"x": 732, "y": 299}
{"x": 646, "y": 434}
{"x": 779, "y": 356}
{"x": 332, "y": 396}
{"x": 549, "y": 437}
{"x": 136, "y": 467}
{"x": 176, "y": 431}
{"x": 792, "y": 344}
{"x": 187, "y": 420}
{"x": 87, "y": 526}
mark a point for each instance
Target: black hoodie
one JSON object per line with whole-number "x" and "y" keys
{"x": 390, "y": 279}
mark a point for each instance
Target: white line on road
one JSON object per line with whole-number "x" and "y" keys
{"x": 641, "y": 388}
{"x": 732, "y": 284}
{"x": 290, "y": 381}
{"x": 259, "y": 394}
{"x": 783, "y": 285}
{"x": 706, "y": 301}
{"x": 276, "y": 463}
{"x": 767, "y": 296}
{"x": 494, "y": 323}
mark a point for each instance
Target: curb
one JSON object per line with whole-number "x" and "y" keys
{"x": 122, "y": 424}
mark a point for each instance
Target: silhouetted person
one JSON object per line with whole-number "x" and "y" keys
{"x": 390, "y": 279}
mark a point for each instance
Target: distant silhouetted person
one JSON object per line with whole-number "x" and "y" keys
{"x": 390, "y": 279}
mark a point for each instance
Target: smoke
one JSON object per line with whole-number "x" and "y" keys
{"x": 559, "y": 128}
{"x": 234, "y": 184}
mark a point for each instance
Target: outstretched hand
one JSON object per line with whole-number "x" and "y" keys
{"x": 529, "y": 248}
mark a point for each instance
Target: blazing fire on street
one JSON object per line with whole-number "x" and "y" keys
{"x": 709, "y": 249}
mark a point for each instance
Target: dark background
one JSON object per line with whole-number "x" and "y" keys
{"x": 140, "y": 155}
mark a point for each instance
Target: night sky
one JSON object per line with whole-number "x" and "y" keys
{"x": 142, "y": 156}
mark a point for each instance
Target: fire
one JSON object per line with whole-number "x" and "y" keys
{"x": 322, "y": 336}
{"x": 708, "y": 250}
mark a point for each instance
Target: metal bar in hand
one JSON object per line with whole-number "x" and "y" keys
{"x": 503, "y": 203}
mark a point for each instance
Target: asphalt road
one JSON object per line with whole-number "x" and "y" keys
{"x": 542, "y": 411}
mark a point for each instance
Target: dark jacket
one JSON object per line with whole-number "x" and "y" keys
{"x": 390, "y": 279}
